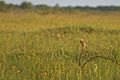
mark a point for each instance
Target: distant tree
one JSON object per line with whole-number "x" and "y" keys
{"x": 12, "y": 6}
{"x": 117, "y": 8}
{"x": 42, "y": 6}
{"x": 26, "y": 5}
{"x": 57, "y": 6}
{"x": 3, "y": 5}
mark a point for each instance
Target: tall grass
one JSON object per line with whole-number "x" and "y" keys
{"x": 35, "y": 47}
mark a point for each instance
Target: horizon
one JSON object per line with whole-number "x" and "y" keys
{"x": 93, "y": 3}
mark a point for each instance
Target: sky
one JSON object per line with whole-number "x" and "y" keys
{"x": 93, "y": 3}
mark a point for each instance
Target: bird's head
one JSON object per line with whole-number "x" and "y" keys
{"x": 81, "y": 40}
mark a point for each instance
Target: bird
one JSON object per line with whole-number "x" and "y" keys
{"x": 83, "y": 44}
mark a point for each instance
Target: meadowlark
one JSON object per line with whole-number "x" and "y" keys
{"x": 83, "y": 44}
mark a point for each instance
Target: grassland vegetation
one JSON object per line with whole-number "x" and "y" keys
{"x": 34, "y": 46}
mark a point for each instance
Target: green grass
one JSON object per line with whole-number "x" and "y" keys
{"x": 34, "y": 46}
{"x": 52, "y": 54}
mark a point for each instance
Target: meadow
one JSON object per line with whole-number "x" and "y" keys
{"x": 36, "y": 46}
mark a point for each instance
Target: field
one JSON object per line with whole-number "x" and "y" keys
{"x": 37, "y": 46}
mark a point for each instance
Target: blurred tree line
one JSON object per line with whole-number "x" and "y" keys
{"x": 29, "y": 6}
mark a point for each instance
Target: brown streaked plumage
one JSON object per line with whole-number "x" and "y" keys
{"x": 83, "y": 44}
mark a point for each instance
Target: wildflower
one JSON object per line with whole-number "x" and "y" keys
{"x": 96, "y": 67}
{"x": 18, "y": 71}
{"x": 1, "y": 63}
{"x": 14, "y": 67}
{"x": 45, "y": 74}
{"x": 58, "y": 35}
